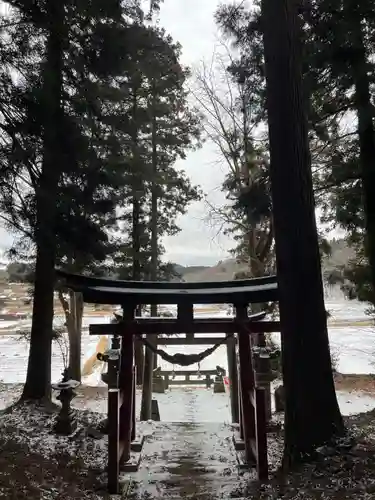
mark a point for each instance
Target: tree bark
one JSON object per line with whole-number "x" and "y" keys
{"x": 154, "y": 213}
{"x": 139, "y": 356}
{"x": 312, "y": 415}
{"x": 38, "y": 378}
{"x": 73, "y": 310}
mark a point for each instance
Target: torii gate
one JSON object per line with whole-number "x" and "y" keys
{"x": 249, "y": 409}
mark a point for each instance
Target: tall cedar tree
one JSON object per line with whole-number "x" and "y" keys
{"x": 38, "y": 379}
{"x": 312, "y": 415}
{"x": 164, "y": 127}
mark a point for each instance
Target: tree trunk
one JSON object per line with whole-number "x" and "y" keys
{"x": 38, "y": 378}
{"x": 366, "y": 132}
{"x": 75, "y": 334}
{"x": 154, "y": 215}
{"x": 139, "y": 357}
{"x": 73, "y": 311}
{"x": 312, "y": 415}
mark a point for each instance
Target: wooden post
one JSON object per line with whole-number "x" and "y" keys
{"x": 185, "y": 314}
{"x": 240, "y": 414}
{"x": 246, "y": 376}
{"x": 139, "y": 353}
{"x": 261, "y": 342}
{"x": 113, "y": 468}
{"x": 154, "y": 314}
{"x": 139, "y": 360}
{"x": 261, "y": 433}
{"x": 233, "y": 380}
{"x": 147, "y": 385}
{"x": 185, "y": 311}
{"x": 116, "y": 342}
{"x": 126, "y": 387}
{"x": 134, "y": 406}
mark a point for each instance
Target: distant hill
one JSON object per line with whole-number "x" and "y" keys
{"x": 222, "y": 271}
{"x": 226, "y": 269}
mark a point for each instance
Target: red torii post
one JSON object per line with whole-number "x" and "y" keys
{"x": 121, "y": 407}
{"x": 246, "y": 379}
{"x": 126, "y": 386}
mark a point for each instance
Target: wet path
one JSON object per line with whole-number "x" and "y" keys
{"x": 191, "y": 460}
{"x": 187, "y": 461}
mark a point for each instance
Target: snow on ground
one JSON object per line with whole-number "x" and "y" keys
{"x": 189, "y": 405}
{"x": 353, "y": 347}
{"x": 353, "y": 403}
{"x": 196, "y": 405}
{"x": 185, "y": 404}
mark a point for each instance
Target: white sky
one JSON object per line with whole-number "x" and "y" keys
{"x": 191, "y": 22}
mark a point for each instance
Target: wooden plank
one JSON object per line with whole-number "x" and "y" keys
{"x": 189, "y": 382}
{"x": 172, "y": 326}
{"x": 109, "y": 295}
{"x": 186, "y": 341}
{"x": 183, "y": 373}
{"x": 79, "y": 280}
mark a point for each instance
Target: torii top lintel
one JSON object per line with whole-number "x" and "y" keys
{"x": 117, "y": 292}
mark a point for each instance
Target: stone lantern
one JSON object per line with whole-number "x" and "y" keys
{"x": 66, "y": 422}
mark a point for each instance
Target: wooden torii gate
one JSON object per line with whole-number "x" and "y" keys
{"x": 249, "y": 409}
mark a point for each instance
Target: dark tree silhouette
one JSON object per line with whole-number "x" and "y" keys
{"x": 312, "y": 414}
{"x": 38, "y": 380}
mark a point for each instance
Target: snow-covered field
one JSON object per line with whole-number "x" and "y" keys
{"x": 353, "y": 348}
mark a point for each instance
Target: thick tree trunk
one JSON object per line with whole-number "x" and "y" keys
{"x": 38, "y": 378}
{"x": 312, "y": 414}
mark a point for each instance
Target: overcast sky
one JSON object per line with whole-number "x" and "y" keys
{"x": 191, "y": 22}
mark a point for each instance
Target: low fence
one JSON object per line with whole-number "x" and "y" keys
{"x": 188, "y": 377}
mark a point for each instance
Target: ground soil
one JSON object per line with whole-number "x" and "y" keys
{"x": 335, "y": 475}
{"x": 354, "y": 382}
